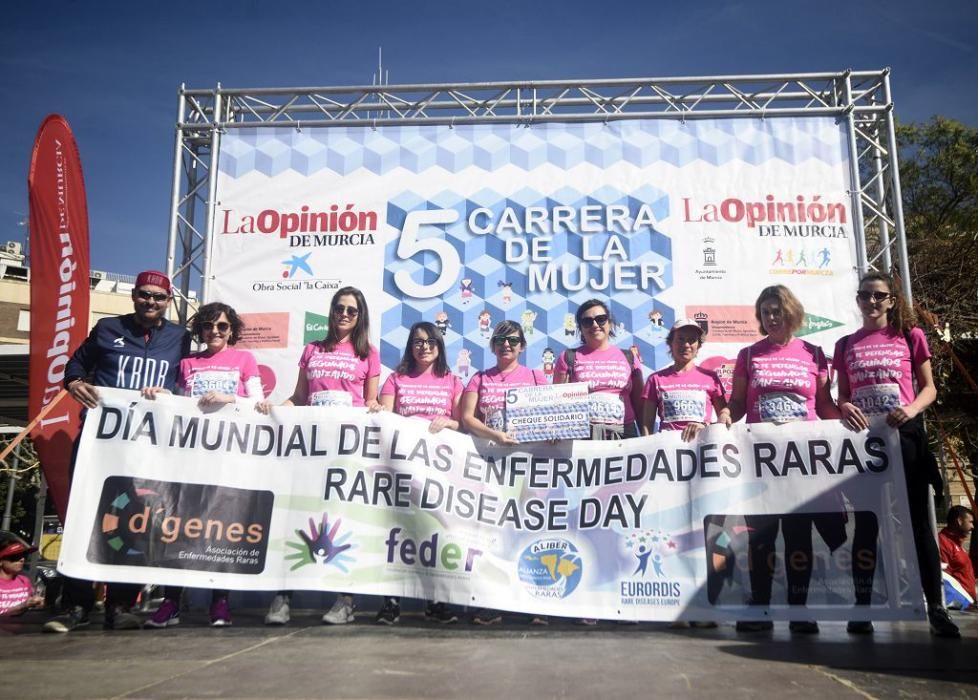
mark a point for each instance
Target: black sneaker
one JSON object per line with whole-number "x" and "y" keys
{"x": 859, "y": 627}
{"x": 755, "y": 626}
{"x": 803, "y": 627}
{"x": 69, "y": 620}
{"x": 390, "y": 613}
{"x": 487, "y": 616}
{"x": 439, "y": 612}
{"x": 941, "y": 624}
{"x": 119, "y": 618}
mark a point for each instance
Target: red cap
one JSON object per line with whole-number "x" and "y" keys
{"x": 13, "y": 546}
{"x": 153, "y": 277}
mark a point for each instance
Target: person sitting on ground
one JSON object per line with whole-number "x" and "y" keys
{"x": 956, "y": 565}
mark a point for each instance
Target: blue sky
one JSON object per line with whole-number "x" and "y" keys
{"x": 113, "y": 69}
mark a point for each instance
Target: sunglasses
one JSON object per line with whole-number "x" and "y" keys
{"x": 341, "y": 310}
{"x": 588, "y": 321}
{"x": 222, "y": 326}
{"x": 878, "y": 297}
{"x": 16, "y": 557}
{"x": 513, "y": 340}
{"x": 155, "y": 296}
{"x": 419, "y": 343}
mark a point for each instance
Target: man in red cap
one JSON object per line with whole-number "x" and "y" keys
{"x": 16, "y": 591}
{"x": 134, "y": 351}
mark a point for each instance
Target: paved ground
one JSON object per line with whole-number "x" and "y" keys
{"x": 416, "y": 659}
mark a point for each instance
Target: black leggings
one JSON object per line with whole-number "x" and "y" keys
{"x": 762, "y": 537}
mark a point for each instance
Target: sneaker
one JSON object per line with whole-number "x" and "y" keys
{"x": 539, "y": 620}
{"x": 119, "y": 618}
{"x": 220, "y": 613}
{"x": 439, "y": 612}
{"x": 341, "y": 612}
{"x": 754, "y": 626}
{"x": 71, "y": 619}
{"x": 703, "y": 624}
{"x": 587, "y": 621}
{"x": 390, "y": 613}
{"x": 859, "y": 627}
{"x": 167, "y": 615}
{"x": 278, "y": 611}
{"x": 803, "y": 627}
{"x": 941, "y": 624}
{"x": 487, "y": 616}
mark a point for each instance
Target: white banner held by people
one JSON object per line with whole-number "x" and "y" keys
{"x": 338, "y": 499}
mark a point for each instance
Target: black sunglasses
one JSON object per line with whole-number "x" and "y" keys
{"x": 341, "y": 310}
{"x": 878, "y": 297}
{"x": 588, "y": 321}
{"x": 155, "y": 296}
{"x": 221, "y": 326}
{"x": 513, "y": 340}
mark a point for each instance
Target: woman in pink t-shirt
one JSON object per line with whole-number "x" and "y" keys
{"x": 216, "y": 375}
{"x": 781, "y": 379}
{"x": 16, "y": 590}
{"x": 422, "y": 387}
{"x": 683, "y": 396}
{"x": 482, "y": 407}
{"x": 342, "y": 369}
{"x": 876, "y": 368}
{"x": 613, "y": 375}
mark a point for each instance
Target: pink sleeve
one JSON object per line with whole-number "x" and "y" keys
{"x": 373, "y": 363}
{"x": 716, "y": 391}
{"x": 919, "y": 349}
{"x": 390, "y": 386}
{"x": 561, "y": 366}
{"x": 182, "y": 374}
{"x": 475, "y": 384}
{"x": 456, "y": 387}
{"x": 304, "y": 357}
{"x": 651, "y": 391}
{"x": 741, "y": 369}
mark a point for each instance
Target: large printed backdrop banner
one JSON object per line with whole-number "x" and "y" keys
{"x": 645, "y": 529}
{"x": 467, "y": 226}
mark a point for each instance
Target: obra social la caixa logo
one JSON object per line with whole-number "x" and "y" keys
{"x": 323, "y": 544}
{"x": 550, "y": 568}
{"x": 177, "y": 525}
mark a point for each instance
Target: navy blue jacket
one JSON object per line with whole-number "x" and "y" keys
{"x": 118, "y": 354}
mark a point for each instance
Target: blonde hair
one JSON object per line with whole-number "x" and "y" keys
{"x": 792, "y": 311}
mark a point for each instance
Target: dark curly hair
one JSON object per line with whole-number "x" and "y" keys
{"x": 408, "y": 365}
{"x": 209, "y": 313}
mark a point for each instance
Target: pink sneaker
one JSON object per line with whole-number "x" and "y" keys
{"x": 220, "y": 613}
{"x": 167, "y": 615}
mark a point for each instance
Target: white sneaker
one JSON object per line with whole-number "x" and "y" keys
{"x": 278, "y": 611}
{"x": 341, "y": 612}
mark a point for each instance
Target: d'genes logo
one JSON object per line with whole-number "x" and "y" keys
{"x": 176, "y": 525}
{"x": 323, "y": 544}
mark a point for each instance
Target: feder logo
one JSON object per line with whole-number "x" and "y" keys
{"x": 177, "y": 525}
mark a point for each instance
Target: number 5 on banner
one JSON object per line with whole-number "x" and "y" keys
{"x": 410, "y": 245}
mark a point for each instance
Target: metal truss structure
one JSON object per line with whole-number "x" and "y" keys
{"x": 861, "y": 98}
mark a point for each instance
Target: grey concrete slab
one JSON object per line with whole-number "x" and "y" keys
{"x": 415, "y": 659}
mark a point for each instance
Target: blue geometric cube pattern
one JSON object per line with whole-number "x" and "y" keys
{"x": 344, "y": 149}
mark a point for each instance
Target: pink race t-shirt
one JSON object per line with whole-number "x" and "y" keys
{"x": 606, "y": 372}
{"x": 13, "y": 592}
{"x": 683, "y": 397}
{"x": 491, "y": 387}
{"x": 877, "y": 364}
{"x": 329, "y": 374}
{"x": 426, "y": 396}
{"x": 782, "y": 380}
{"x": 227, "y": 372}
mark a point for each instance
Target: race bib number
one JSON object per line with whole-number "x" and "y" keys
{"x": 875, "y": 399}
{"x": 782, "y": 407}
{"x": 606, "y": 409}
{"x": 222, "y": 382}
{"x": 683, "y": 406}
{"x": 331, "y": 397}
{"x": 495, "y": 420}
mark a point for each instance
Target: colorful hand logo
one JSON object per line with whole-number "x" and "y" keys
{"x": 320, "y": 546}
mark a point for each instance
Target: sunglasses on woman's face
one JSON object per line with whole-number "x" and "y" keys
{"x": 419, "y": 343}
{"x": 222, "y": 326}
{"x": 878, "y": 297}
{"x": 341, "y": 310}
{"x": 513, "y": 340}
{"x": 588, "y": 321}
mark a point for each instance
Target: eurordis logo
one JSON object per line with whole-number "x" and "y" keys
{"x": 648, "y": 583}
{"x": 550, "y": 568}
{"x": 177, "y": 525}
{"x": 649, "y": 548}
{"x": 323, "y": 544}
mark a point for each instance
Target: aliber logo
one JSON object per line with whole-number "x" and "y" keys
{"x": 550, "y": 568}
{"x": 335, "y": 225}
